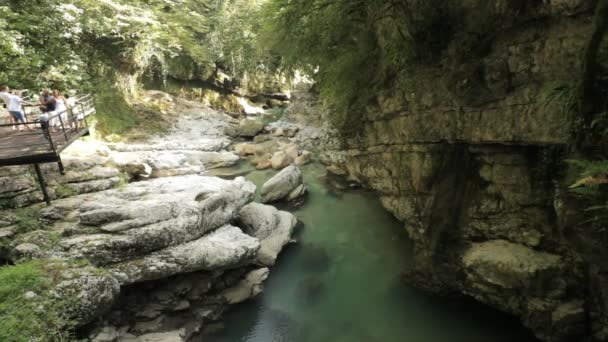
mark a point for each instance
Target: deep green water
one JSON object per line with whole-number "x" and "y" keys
{"x": 343, "y": 282}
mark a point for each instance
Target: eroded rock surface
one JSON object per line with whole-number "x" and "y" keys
{"x": 272, "y": 227}
{"x": 287, "y": 184}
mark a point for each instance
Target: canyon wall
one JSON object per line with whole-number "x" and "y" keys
{"x": 471, "y": 161}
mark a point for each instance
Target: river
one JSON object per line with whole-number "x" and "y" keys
{"x": 343, "y": 281}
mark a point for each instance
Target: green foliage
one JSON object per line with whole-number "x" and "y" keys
{"x": 563, "y": 96}
{"x": 355, "y": 50}
{"x": 592, "y": 186}
{"x": 65, "y": 191}
{"x": 31, "y": 319}
{"x": 114, "y": 114}
{"x": 123, "y": 181}
{"x": 7, "y": 203}
{"x": 27, "y": 220}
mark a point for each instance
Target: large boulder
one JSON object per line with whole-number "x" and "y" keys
{"x": 89, "y": 291}
{"x": 128, "y": 223}
{"x": 247, "y": 288}
{"x": 527, "y": 283}
{"x": 250, "y": 128}
{"x": 280, "y": 160}
{"x": 272, "y": 227}
{"x": 227, "y": 247}
{"x": 283, "y": 184}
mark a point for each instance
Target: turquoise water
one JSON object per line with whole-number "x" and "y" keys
{"x": 343, "y": 282}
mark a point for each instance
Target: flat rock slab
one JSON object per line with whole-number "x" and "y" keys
{"x": 506, "y": 265}
{"x": 125, "y": 224}
{"x": 225, "y": 248}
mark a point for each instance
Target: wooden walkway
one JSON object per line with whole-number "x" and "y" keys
{"x": 30, "y": 147}
{"x": 40, "y": 144}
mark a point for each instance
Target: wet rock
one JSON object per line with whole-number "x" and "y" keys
{"x": 172, "y": 336}
{"x": 248, "y": 288}
{"x": 297, "y": 193}
{"x": 569, "y": 318}
{"x": 272, "y": 227}
{"x": 505, "y": 265}
{"x": 106, "y": 334}
{"x": 282, "y": 184}
{"x": 151, "y": 326}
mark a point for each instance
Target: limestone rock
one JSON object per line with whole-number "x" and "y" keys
{"x": 26, "y": 250}
{"x": 7, "y": 232}
{"x": 280, "y": 160}
{"x": 153, "y": 215}
{"x": 171, "y": 336}
{"x": 250, "y": 128}
{"x": 282, "y": 184}
{"x": 91, "y": 292}
{"x": 106, "y": 334}
{"x": 226, "y": 247}
{"x": 292, "y": 151}
{"x": 297, "y": 193}
{"x": 505, "y": 265}
{"x": 244, "y": 149}
{"x": 131, "y": 163}
{"x": 248, "y": 288}
{"x": 304, "y": 158}
{"x": 263, "y": 165}
{"x": 272, "y": 227}
{"x": 336, "y": 170}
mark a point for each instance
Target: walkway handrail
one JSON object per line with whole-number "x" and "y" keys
{"x": 66, "y": 125}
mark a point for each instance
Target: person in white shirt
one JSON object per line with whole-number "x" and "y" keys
{"x": 61, "y": 109}
{"x": 13, "y": 104}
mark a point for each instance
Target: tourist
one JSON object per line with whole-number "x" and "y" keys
{"x": 71, "y": 103}
{"x": 48, "y": 107}
{"x": 14, "y": 106}
{"x": 61, "y": 108}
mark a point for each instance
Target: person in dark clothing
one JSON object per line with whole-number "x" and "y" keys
{"x": 48, "y": 106}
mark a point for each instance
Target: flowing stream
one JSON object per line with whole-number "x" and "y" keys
{"x": 343, "y": 282}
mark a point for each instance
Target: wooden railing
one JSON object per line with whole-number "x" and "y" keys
{"x": 48, "y": 132}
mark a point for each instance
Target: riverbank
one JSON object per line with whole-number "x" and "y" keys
{"x": 165, "y": 228}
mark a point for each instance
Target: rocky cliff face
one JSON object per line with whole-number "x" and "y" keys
{"x": 467, "y": 161}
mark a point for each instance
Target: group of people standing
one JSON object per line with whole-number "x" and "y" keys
{"x": 53, "y": 106}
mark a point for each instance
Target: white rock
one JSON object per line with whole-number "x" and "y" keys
{"x": 226, "y": 247}
{"x": 247, "y": 288}
{"x": 153, "y": 215}
{"x": 272, "y": 227}
{"x": 282, "y": 184}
